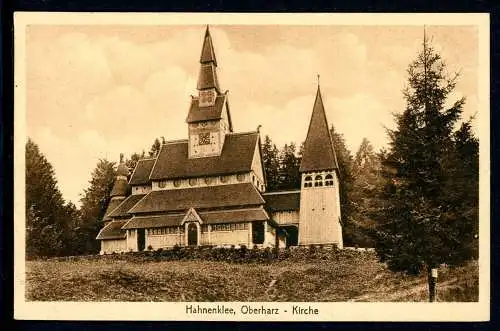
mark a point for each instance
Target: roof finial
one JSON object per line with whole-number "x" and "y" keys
{"x": 258, "y": 128}
{"x": 318, "y": 79}
{"x": 121, "y": 157}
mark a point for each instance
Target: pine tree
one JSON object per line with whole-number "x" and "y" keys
{"x": 344, "y": 160}
{"x": 289, "y": 175}
{"x": 271, "y": 163}
{"x": 94, "y": 203}
{"x": 421, "y": 229}
{"x": 364, "y": 194}
{"x": 45, "y": 218}
{"x": 155, "y": 148}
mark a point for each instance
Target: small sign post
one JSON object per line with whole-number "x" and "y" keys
{"x": 432, "y": 284}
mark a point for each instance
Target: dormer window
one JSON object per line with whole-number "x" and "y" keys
{"x": 329, "y": 180}
{"x": 207, "y": 98}
{"x": 308, "y": 181}
{"x": 318, "y": 181}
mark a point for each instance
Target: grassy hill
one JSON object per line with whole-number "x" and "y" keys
{"x": 356, "y": 276}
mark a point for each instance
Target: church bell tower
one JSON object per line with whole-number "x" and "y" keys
{"x": 209, "y": 119}
{"x": 319, "y": 221}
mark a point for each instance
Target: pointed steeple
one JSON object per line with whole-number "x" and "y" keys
{"x": 207, "y": 51}
{"x": 319, "y": 153}
{"x": 207, "y": 78}
{"x": 121, "y": 187}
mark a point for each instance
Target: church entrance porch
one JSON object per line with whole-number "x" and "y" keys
{"x": 192, "y": 234}
{"x": 292, "y": 235}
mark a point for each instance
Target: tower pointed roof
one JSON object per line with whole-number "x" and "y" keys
{"x": 319, "y": 153}
{"x": 207, "y": 51}
{"x": 207, "y": 78}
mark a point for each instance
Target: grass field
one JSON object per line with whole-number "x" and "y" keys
{"x": 357, "y": 277}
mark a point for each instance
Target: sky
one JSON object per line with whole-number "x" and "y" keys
{"x": 94, "y": 92}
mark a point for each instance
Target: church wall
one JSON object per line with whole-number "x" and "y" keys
{"x": 236, "y": 237}
{"x": 164, "y": 241}
{"x": 141, "y": 189}
{"x": 319, "y": 214}
{"x": 113, "y": 246}
{"x": 257, "y": 170}
{"x": 286, "y": 217}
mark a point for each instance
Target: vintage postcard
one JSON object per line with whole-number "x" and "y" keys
{"x": 252, "y": 167}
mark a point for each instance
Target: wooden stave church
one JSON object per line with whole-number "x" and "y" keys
{"x": 211, "y": 188}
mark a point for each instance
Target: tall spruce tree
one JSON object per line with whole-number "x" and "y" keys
{"x": 271, "y": 163}
{"x": 289, "y": 175}
{"x": 45, "y": 215}
{"x": 345, "y": 163}
{"x": 422, "y": 228}
{"x": 364, "y": 195}
{"x": 94, "y": 202}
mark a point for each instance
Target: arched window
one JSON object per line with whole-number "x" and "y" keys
{"x": 224, "y": 179}
{"x": 329, "y": 180}
{"x": 209, "y": 180}
{"x": 177, "y": 182}
{"x": 162, "y": 183}
{"x": 318, "y": 180}
{"x": 308, "y": 181}
{"x": 193, "y": 181}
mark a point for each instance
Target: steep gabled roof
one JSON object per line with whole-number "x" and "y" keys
{"x": 282, "y": 201}
{"x": 113, "y": 230}
{"x": 141, "y": 173}
{"x": 223, "y": 196}
{"x": 123, "y": 208}
{"x": 319, "y": 153}
{"x": 197, "y": 114}
{"x": 236, "y": 156}
{"x": 207, "y": 50}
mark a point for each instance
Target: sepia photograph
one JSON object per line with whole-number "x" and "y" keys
{"x": 265, "y": 167}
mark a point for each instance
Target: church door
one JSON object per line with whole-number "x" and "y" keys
{"x": 192, "y": 234}
{"x": 141, "y": 240}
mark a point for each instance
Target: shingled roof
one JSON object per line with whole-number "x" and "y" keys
{"x": 120, "y": 188}
{"x": 234, "y": 216}
{"x": 124, "y": 207}
{"x": 244, "y": 194}
{"x": 213, "y": 217}
{"x": 236, "y": 156}
{"x": 207, "y": 50}
{"x": 282, "y": 201}
{"x": 319, "y": 153}
{"x": 197, "y": 114}
{"x": 157, "y": 221}
{"x": 141, "y": 173}
{"x": 113, "y": 203}
{"x": 112, "y": 230}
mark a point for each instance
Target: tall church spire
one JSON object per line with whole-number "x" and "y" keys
{"x": 319, "y": 153}
{"x": 207, "y": 51}
{"x": 207, "y": 78}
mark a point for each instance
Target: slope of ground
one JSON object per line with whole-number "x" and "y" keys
{"x": 359, "y": 277}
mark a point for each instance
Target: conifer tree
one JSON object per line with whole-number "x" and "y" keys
{"x": 289, "y": 175}
{"x": 94, "y": 202}
{"x": 271, "y": 163}
{"x": 421, "y": 227}
{"x": 45, "y": 218}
